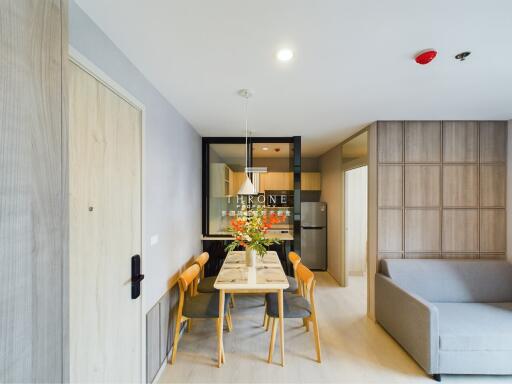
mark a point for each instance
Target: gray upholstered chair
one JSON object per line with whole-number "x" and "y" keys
{"x": 196, "y": 306}
{"x": 292, "y": 283}
{"x": 295, "y": 306}
{"x": 206, "y": 284}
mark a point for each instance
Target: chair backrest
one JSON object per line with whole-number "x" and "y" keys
{"x": 306, "y": 281}
{"x": 201, "y": 260}
{"x": 188, "y": 276}
{"x": 294, "y": 259}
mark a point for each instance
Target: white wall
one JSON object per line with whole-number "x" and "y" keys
{"x": 356, "y": 203}
{"x": 509, "y": 192}
{"x": 172, "y": 162}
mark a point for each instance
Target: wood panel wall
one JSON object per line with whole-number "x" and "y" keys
{"x": 441, "y": 189}
{"x": 33, "y": 192}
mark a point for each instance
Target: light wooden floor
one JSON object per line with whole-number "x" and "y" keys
{"x": 354, "y": 348}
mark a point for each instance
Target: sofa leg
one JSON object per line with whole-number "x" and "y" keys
{"x": 436, "y": 377}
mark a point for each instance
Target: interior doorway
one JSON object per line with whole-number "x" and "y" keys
{"x": 354, "y": 202}
{"x": 356, "y": 220}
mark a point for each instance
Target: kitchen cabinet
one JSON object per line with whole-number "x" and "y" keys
{"x": 310, "y": 181}
{"x": 276, "y": 181}
{"x": 221, "y": 177}
{"x": 238, "y": 179}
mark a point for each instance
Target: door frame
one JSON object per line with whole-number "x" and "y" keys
{"x": 84, "y": 63}
{"x": 358, "y": 163}
{"x": 347, "y": 166}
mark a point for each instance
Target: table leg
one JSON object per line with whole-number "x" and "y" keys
{"x": 281, "y": 323}
{"x": 220, "y": 347}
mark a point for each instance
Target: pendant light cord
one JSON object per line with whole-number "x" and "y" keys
{"x": 246, "y": 134}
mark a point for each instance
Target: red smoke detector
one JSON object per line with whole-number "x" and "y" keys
{"x": 426, "y": 57}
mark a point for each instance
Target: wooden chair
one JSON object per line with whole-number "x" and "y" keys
{"x": 295, "y": 260}
{"x": 292, "y": 281}
{"x": 205, "y": 284}
{"x": 192, "y": 306}
{"x": 296, "y": 306}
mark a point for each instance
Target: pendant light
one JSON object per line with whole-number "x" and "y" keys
{"x": 247, "y": 187}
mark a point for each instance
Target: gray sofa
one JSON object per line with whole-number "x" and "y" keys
{"x": 451, "y": 316}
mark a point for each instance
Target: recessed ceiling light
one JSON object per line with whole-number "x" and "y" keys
{"x": 264, "y": 148}
{"x": 285, "y": 55}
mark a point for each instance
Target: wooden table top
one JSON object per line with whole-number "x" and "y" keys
{"x": 267, "y": 274}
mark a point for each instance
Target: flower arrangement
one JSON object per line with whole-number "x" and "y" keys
{"x": 250, "y": 228}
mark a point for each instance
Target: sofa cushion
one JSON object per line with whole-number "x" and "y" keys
{"x": 475, "y": 326}
{"x": 488, "y": 281}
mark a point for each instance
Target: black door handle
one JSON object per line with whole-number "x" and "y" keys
{"x": 137, "y": 277}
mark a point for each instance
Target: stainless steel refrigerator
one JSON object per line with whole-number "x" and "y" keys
{"x": 313, "y": 235}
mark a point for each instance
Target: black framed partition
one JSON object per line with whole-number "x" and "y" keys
{"x": 223, "y": 171}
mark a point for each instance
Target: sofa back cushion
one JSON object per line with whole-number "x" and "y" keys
{"x": 486, "y": 281}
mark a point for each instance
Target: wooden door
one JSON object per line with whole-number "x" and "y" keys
{"x": 105, "y": 232}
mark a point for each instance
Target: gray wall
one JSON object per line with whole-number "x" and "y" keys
{"x": 172, "y": 162}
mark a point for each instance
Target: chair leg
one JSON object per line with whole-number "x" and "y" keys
{"x": 265, "y": 317}
{"x": 268, "y": 322}
{"x": 272, "y": 339}
{"x": 229, "y": 321}
{"x": 189, "y": 325}
{"x": 232, "y": 301}
{"x": 176, "y": 339}
{"x": 305, "y": 321}
{"x": 317, "y": 340}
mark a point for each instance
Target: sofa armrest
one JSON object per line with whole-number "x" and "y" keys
{"x": 412, "y": 321}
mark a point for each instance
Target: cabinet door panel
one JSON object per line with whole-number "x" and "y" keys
{"x": 390, "y": 185}
{"x": 422, "y": 185}
{"x": 422, "y": 230}
{"x": 493, "y": 141}
{"x": 493, "y": 179}
{"x": 460, "y": 185}
{"x": 310, "y": 181}
{"x": 390, "y": 230}
{"x": 492, "y": 230}
{"x": 460, "y": 141}
{"x": 460, "y": 230}
{"x": 390, "y": 141}
{"x": 422, "y": 141}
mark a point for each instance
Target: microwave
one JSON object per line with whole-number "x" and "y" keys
{"x": 282, "y": 198}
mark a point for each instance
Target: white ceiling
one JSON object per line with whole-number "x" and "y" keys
{"x": 353, "y": 61}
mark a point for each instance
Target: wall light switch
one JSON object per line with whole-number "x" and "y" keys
{"x": 154, "y": 240}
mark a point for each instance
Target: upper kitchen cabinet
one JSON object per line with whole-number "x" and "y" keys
{"x": 236, "y": 181}
{"x": 221, "y": 180}
{"x": 276, "y": 181}
{"x": 310, "y": 181}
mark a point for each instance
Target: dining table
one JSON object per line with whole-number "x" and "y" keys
{"x": 236, "y": 277}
